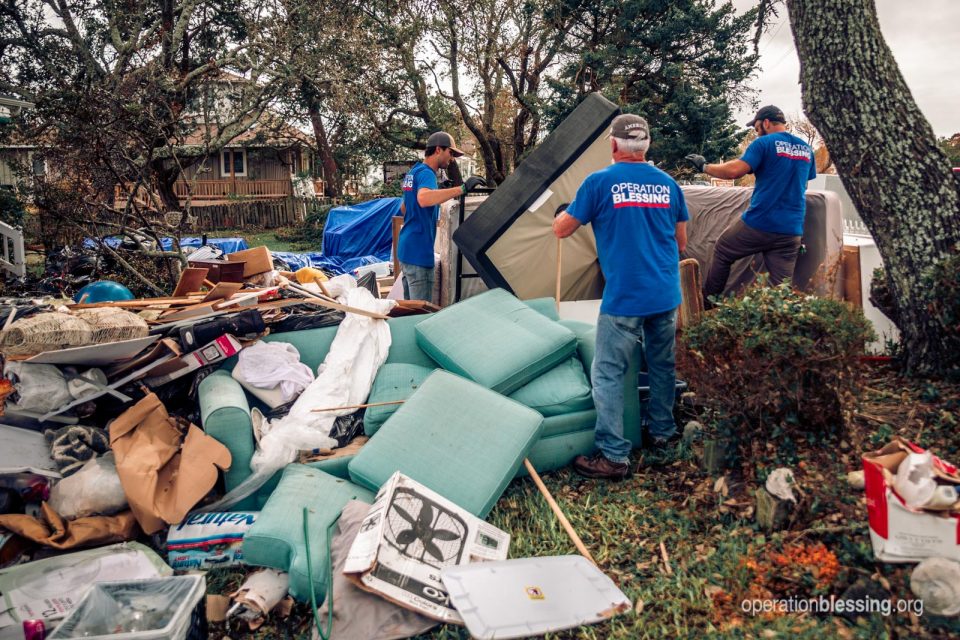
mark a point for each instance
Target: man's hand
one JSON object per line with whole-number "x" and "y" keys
{"x": 563, "y": 207}
{"x": 697, "y": 161}
{"x": 472, "y": 183}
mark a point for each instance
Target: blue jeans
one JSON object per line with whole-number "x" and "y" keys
{"x": 417, "y": 282}
{"x": 616, "y": 338}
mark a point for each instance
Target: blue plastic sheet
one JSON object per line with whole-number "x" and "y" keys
{"x": 358, "y": 235}
{"x": 227, "y": 245}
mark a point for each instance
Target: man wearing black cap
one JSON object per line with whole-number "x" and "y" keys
{"x": 773, "y": 224}
{"x": 420, "y": 208}
{"x": 638, "y": 216}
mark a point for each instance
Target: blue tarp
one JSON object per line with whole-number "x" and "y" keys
{"x": 227, "y": 245}
{"x": 319, "y": 261}
{"x": 358, "y": 235}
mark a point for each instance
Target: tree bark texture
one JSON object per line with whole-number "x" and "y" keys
{"x": 886, "y": 155}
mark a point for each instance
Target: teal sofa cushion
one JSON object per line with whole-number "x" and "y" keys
{"x": 563, "y": 389}
{"x": 461, "y": 440}
{"x": 276, "y": 539}
{"x": 394, "y": 381}
{"x": 495, "y": 340}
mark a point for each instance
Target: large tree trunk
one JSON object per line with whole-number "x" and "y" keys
{"x": 887, "y": 157}
{"x": 331, "y": 172}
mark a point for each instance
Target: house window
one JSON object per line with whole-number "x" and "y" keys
{"x": 39, "y": 166}
{"x": 233, "y": 161}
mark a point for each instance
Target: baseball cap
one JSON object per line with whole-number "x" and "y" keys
{"x": 768, "y": 112}
{"x": 444, "y": 139}
{"x": 629, "y": 126}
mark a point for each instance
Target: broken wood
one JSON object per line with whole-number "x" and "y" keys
{"x": 361, "y": 406}
{"x": 666, "y": 558}
{"x": 191, "y": 279}
{"x": 222, "y": 291}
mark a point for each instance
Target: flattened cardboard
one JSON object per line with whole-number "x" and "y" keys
{"x": 163, "y": 479}
{"x": 394, "y": 553}
{"x": 59, "y": 533}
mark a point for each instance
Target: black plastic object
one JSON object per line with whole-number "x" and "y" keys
{"x": 245, "y": 323}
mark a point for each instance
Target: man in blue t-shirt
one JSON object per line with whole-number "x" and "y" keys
{"x": 420, "y": 208}
{"x": 638, "y": 216}
{"x": 773, "y": 224}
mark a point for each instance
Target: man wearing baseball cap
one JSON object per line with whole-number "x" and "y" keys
{"x": 638, "y": 216}
{"x": 420, "y": 208}
{"x": 773, "y": 224}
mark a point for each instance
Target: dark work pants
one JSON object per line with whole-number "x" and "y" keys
{"x": 740, "y": 240}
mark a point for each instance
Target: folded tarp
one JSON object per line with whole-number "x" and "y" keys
{"x": 359, "y": 231}
{"x": 335, "y": 266}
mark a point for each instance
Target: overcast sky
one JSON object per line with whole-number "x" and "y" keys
{"x": 924, "y": 37}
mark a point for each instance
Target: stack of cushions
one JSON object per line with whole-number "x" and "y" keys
{"x": 521, "y": 353}
{"x": 495, "y": 340}
{"x": 454, "y": 436}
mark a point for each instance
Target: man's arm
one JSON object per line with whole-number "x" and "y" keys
{"x": 427, "y": 197}
{"x": 730, "y": 170}
{"x": 564, "y": 225}
{"x": 681, "y": 235}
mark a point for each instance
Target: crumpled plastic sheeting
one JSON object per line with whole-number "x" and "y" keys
{"x": 343, "y": 379}
{"x": 270, "y": 364}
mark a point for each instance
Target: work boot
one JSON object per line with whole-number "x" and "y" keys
{"x": 598, "y": 466}
{"x": 663, "y": 445}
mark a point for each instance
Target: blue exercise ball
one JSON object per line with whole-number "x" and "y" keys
{"x": 103, "y": 291}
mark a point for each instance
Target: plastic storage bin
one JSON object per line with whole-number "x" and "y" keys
{"x": 170, "y": 608}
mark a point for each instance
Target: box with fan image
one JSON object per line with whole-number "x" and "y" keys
{"x": 408, "y": 536}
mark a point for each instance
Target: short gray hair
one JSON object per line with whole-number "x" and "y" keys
{"x": 633, "y": 145}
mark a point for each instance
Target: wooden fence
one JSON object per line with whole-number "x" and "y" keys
{"x": 266, "y": 214}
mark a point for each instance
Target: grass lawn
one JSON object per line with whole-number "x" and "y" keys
{"x": 272, "y": 238}
{"x": 717, "y": 556}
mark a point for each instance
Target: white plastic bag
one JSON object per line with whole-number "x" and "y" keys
{"x": 936, "y": 581}
{"x": 266, "y": 365}
{"x": 41, "y": 387}
{"x": 94, "y": 490}
{"x": 344, "y": 379}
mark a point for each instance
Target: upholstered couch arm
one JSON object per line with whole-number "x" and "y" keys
{"x": 225, "y": 415}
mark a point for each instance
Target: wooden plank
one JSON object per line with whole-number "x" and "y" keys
{"x": 191, "y": 279}
{"x": 222, "y": 291}
{"x": 397, "y": 223}
{"x": 852, "y": 290}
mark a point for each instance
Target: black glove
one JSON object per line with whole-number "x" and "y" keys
{"x": 563, "y": 207}
{"x": 697, "y": 161}
{"x": 472, "y": 183}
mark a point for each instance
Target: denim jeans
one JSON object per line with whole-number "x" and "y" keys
{"x": 417, "y": 282}
{"x": 616, "y": 338}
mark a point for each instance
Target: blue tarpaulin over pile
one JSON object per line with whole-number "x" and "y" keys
{"x": 354, "y": 236}
{"x": 227, "y": 245}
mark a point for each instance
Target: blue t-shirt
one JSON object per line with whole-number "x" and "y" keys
{"x": 782, "y": 163}
{"x": 634, "y": 209}
{"x": 419, "y": 231}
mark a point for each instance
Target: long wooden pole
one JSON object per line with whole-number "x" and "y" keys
{"x": 559, "y": 266}
{"x": 361, "y": 406}
{"x": 577, "y": 542}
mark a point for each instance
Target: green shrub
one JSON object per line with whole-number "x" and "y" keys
{"x": 775, "y": 360}
{"x": 308, "y": 235}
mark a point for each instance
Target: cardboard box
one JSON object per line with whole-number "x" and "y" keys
{"x": 899, "y": 533}
{"x": 257, "y": 260}
{"x": 408, "y": 536}
{"x": 214, "y": 352}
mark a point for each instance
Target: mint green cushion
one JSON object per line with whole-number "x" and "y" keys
{"x": 495, "y": 340}
{"x": 276, "y": 539}
{"x": 544, "y": 306}
{"x": 461, "y": 440}
{"x": 563, "y": 389}
{"x": 394, "y": 381}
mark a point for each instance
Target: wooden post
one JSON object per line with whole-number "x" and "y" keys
{"x": 397, "y": 223}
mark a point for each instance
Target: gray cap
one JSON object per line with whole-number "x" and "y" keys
{"x": 629, "y": 126}
{"x": 444, "y": 139}
{"x": 769, "y": 112}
